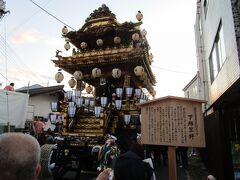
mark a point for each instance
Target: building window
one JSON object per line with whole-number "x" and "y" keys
{"x": 205, "y": 7}
{"x": 218, "y": 54}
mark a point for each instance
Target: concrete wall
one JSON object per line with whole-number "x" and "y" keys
{"x": 42, "y": 106}
{"x": 219, "y": 10}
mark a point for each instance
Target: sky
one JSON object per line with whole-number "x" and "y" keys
{"x": 30, "y": 36}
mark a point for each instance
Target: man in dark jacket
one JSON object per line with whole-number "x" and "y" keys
{"x": 129, "y": 166}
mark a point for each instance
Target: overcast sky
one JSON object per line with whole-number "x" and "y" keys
{"x": 32, "y": 37}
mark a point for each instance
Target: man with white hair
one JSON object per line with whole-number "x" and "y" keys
{"x": 19, "y": 157}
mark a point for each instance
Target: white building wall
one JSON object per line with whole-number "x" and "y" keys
{"x": 192, "y": 91}
{"x": 42, "y": 106}
{"x": 218, "y": 10}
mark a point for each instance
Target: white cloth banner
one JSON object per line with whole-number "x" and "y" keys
{"x": 13, "y": 108}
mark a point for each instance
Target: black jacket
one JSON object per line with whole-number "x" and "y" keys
{"x": 129, "y": 166}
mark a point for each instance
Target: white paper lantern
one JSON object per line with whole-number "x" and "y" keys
{"x": 117, "y": 40}
{"x": 135, "y": 37}
{"x": 116, "y": 73}
{"x": 139, "y": 16}
{"x": 65, "y": 30}
{"x": 83, "y": 45}
{"x": 78, "y": 75}
{"x": 139, "y": 70}
{"x": 72, "y": 82}
{"x": 99, "y": 42}
{"x": 59, "y": 76}
{"x": 96, "y": 72}
{"x": 67, "y": 46}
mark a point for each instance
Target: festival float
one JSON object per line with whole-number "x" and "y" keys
{"x": 110, "y": 64}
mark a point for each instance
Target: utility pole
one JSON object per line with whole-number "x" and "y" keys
{"x": 3, "y": 9}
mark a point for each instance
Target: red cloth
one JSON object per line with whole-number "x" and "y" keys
{"x": 39, "y": 127}
{"x": 9, "y": 88}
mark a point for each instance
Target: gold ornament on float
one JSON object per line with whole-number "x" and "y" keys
{"x": 82, "y": 86}
{"x": 151, "y": 57}
{"x": 144, "y": 32}
{"x": 89, "y": 89}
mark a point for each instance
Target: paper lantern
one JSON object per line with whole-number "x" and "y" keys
{"x": 83, "y": 45}
{"x": 78, "y": 75}
{"x": 117, "y": 40}
{"x": 135, "y": 37}
{"x": 139, "y": 70}
{"x": 72, "y": 82}
{"x": 99, "y": 42}
{"x": 96, "y": 72}
{"x": 67, "y": 46}
{"x": 65, "y": 30}
{"x": 116, "y": 73}
{"x": 59, "y": 76}
{"x": 139, "y": 16}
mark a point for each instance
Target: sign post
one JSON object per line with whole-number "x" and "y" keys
{"x": 172, "y": 121}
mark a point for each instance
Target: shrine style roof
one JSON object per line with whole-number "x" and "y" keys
{"x": 102, "y": 23}
{"x": 104, "y": 43}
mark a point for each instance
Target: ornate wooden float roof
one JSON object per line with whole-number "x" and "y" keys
{"x": 107, "y": 54}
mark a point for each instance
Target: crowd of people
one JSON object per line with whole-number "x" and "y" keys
{"x": 20, "y": 159}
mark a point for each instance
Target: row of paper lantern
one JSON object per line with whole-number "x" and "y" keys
{"x": 96, "y": 72}
{"x": 139, "y": 17}
{"x": 99, "y": 42}
{"x": 78, "y": 76}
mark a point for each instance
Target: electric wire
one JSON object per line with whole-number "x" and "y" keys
{"x": 5, "y": 49}
{"x": 27, "y": 19}
{"x": 5, "y": 55}
{"x": 52, "y": 15}
{"x": 12, "y": 59}
{"x": 169, "y": 70}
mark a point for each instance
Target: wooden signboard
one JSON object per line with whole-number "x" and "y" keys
{"x": 172, "y": 121}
